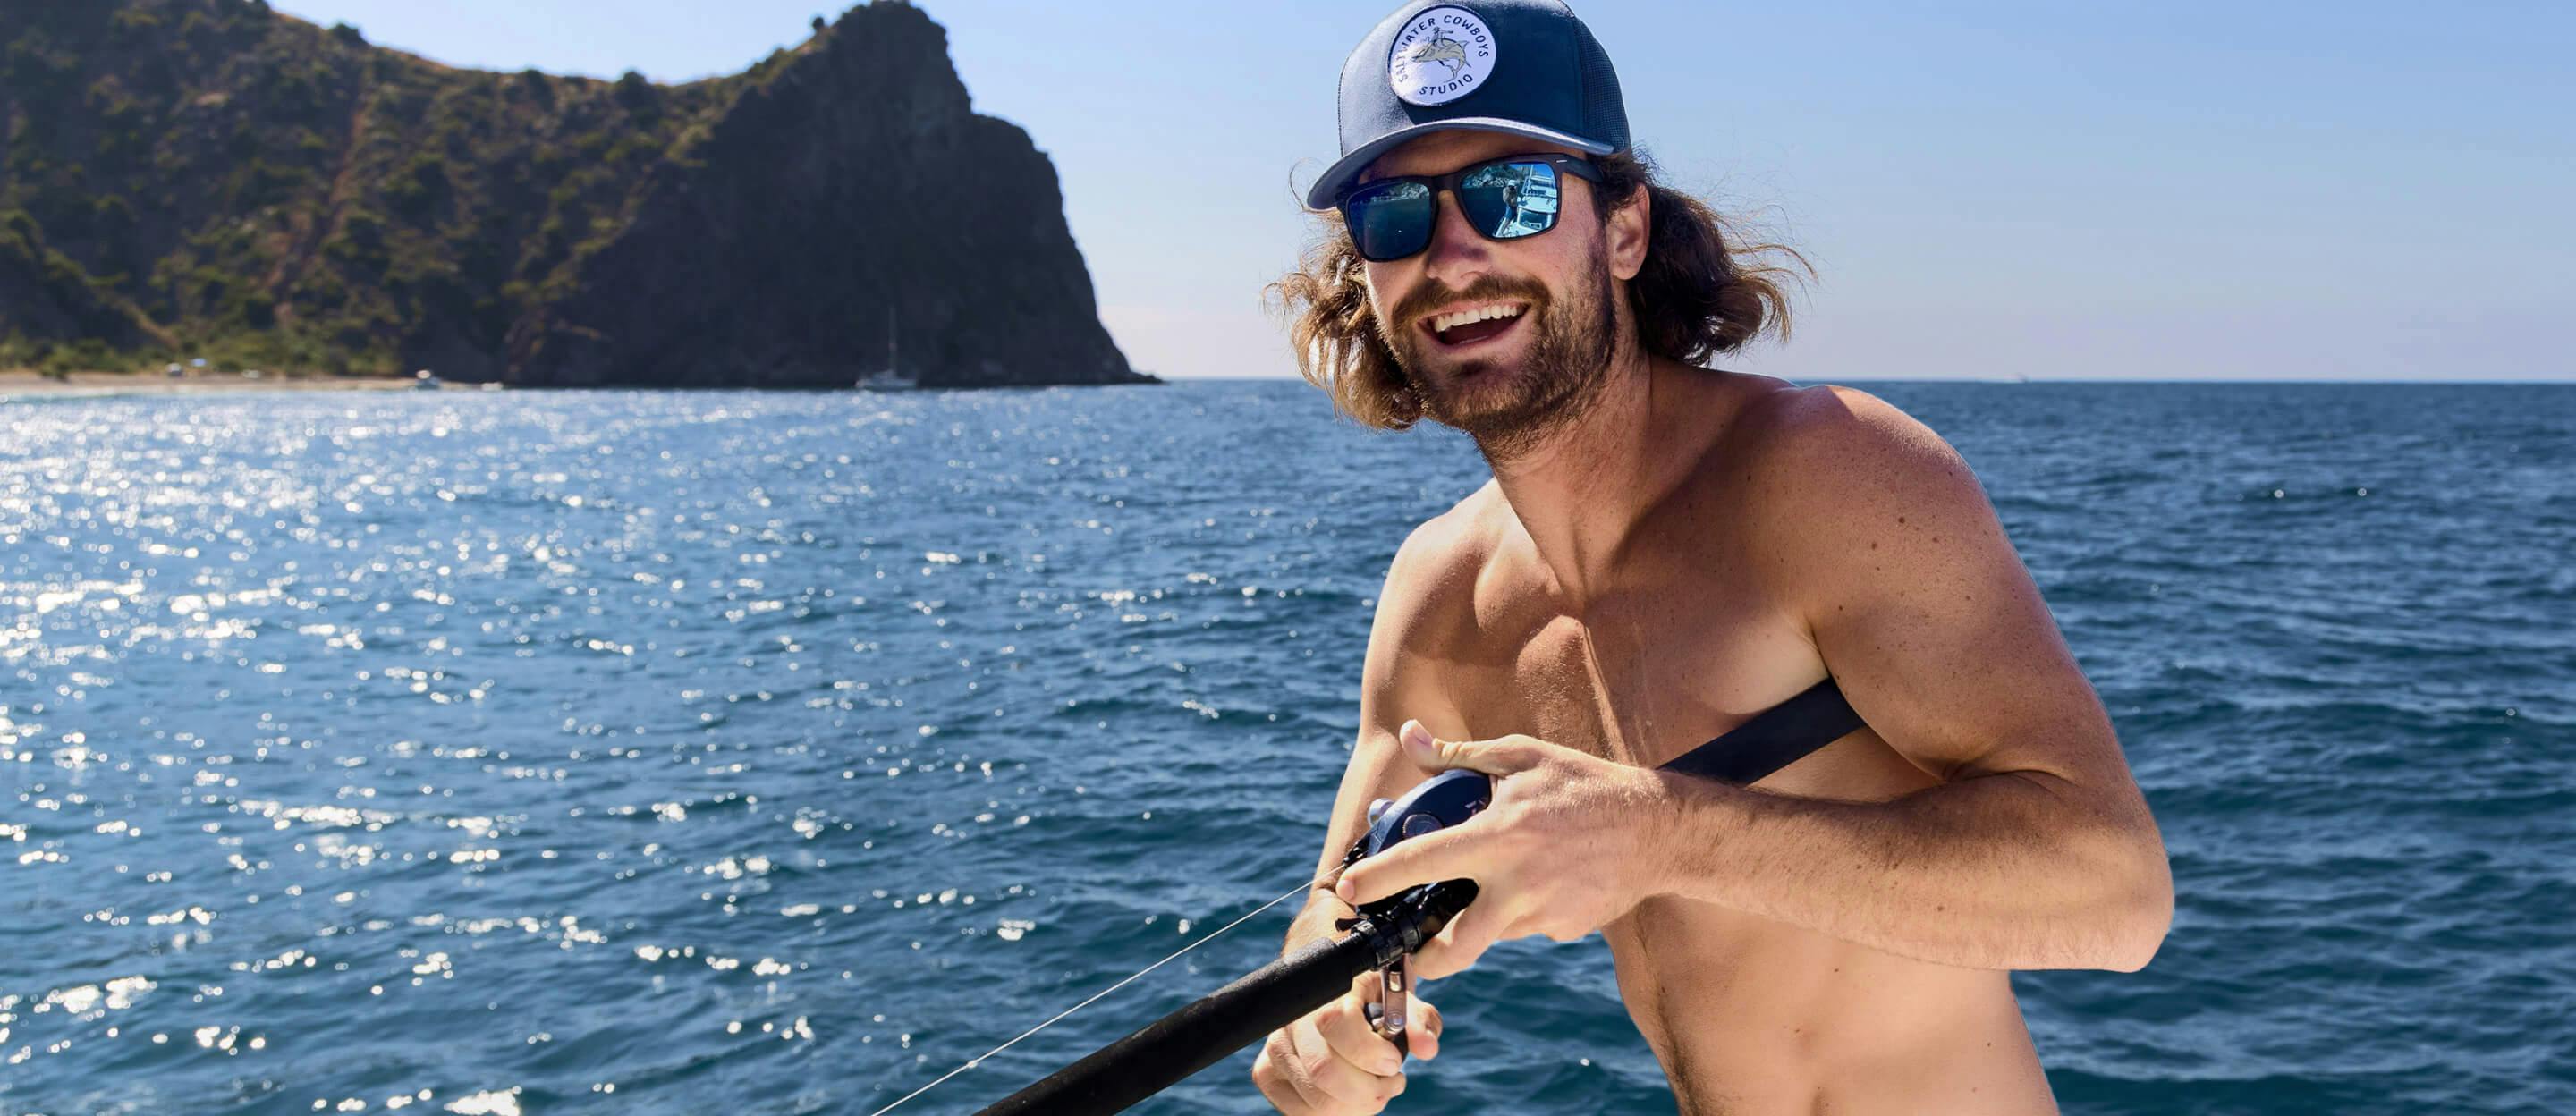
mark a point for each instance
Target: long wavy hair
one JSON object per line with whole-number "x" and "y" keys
{"x": 1699, "y": 295}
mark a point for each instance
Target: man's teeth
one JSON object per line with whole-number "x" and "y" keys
{"x": 1446, "y": 322}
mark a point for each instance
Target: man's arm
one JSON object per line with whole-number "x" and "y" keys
{"x": 2036, "y": 851}
{"x": 1332, "y": 1061}
{"x": 1378, "y": 767}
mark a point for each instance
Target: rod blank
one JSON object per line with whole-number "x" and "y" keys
{"x": 1199, "y": 1035}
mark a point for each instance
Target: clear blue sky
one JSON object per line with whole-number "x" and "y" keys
{"x": 2162, "y": 190}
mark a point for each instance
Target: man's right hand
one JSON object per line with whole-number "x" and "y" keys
{"x": 1333, "y": 1062}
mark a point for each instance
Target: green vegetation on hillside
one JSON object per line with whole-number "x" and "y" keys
{"x": 183, "y": 178}
{"x": 210, "y": 177}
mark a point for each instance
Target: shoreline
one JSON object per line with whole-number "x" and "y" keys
{"x": 28, "y": 381}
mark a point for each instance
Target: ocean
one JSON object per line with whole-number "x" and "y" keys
{"x": 682, "y": 752}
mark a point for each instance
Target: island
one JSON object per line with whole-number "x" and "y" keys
{"x": 211, "y": 179}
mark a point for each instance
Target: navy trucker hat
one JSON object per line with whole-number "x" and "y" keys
{"x": 1523, "y": 67}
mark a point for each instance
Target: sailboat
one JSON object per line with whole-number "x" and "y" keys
{"x": 890, "y": 377}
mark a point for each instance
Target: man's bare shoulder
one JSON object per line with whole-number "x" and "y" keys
{"x": 1429, "y": 599}
{"x": 1839, "y": 480}
{"x": 1835, "y": 435}
{"x": 1451, "y": 579}
{"x": 1828, "y": 449}
{"x": 1439, "y": 563}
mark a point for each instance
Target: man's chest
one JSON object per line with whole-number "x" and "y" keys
{"x": 1639, "y": 676}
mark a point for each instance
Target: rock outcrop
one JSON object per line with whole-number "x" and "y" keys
{"x": 209, "y": 175}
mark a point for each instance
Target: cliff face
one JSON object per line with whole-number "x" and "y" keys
{"x": 207, "y": 175}
{"x": 850, "y": 187}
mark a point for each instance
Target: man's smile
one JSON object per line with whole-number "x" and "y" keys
{"x": 1461, "y": 326}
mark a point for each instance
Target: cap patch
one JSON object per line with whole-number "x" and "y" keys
{"x": 1441, "y": 55}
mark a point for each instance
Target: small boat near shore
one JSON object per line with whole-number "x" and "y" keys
{"x": 890, "y": 377}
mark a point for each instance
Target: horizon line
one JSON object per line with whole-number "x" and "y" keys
{"x": 2562, "y": 381}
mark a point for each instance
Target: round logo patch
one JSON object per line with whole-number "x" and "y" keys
{"x": 1441, "y": 55}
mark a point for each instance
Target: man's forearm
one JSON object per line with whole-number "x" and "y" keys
{"x": 2009, "y": 871}
{"x": 1315, "y": 921}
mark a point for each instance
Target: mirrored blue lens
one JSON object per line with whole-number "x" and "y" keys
{"x": 1508, "y": 200}
{"x": 1390, "y": 221}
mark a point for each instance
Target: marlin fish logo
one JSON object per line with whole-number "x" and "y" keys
{"x": 1442, "y": 55}
{"x": 1442, "y": 49}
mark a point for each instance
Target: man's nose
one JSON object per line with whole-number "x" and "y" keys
{"x": 1457, "y": 253}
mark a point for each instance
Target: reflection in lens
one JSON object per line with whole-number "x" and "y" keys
{"x": 1510, "y": 199}
{"x": 1391, "y": 221}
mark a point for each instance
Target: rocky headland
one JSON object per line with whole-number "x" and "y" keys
{"x": 211, "y": 177}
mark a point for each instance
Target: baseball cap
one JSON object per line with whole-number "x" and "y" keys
{"x": 1523, "y": 67}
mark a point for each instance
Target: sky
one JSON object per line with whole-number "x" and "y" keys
{"x": 2105, "y": 190}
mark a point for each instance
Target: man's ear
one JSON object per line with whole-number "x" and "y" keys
{"x": 1625, "y": 233}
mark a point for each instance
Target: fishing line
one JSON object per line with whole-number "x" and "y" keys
{"x": 1211, "y": 936}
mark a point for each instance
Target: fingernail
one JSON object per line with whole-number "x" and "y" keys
{"x": 1343, "y": 890}
{"x": 1418, "y": 738}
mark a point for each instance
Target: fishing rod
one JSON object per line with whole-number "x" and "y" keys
{"x": 1163, "y": 1053}
{"x": 1382, "y": 936}
{"x": 1203, "y": 1033}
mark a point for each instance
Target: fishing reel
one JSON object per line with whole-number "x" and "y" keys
{"x": 1398, "y": 925}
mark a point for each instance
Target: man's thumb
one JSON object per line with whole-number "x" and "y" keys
{"x": 1420, "y": 749}
{"x": 1493, "y": 757}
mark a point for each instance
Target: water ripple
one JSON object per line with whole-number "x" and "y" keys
{"x": 499, "y": 753}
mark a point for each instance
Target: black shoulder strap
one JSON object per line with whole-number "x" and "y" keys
{"x": 1773, "y": 739}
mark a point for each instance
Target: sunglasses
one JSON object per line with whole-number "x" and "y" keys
{"x": 1391, "y": 218}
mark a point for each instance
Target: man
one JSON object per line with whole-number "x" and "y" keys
{"x": 1666, "y": 551}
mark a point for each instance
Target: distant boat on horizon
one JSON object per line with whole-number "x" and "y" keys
{"x": 890, "y": 377}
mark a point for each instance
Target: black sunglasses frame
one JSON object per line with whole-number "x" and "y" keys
{"x": 1448, "y": 183}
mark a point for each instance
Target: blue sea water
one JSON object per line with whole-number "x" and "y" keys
{"x": 660, "y": 752}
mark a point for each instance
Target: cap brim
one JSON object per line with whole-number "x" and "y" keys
{"x": 1337, "y": 177}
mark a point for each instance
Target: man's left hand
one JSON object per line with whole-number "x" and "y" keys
{"x": 1568, "y": 845}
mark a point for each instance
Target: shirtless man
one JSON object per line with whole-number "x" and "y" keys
{"x": 1665, "y": 551}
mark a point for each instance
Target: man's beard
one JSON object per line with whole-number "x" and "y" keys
{"x": 1511, "y": 409}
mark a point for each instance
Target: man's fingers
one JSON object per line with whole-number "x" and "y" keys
{"x": 1422, "y": 1028}
{"x": 1351, "y": 1037}
{"x": 1459, "y": 944}
{"x": 1330, "y": 1079}
{"x": 1323, "y": 1065}
{"x": 1278, "y": 1086}
{"x": 1501, "y": 756}
{"x": 1448, "y": 854}
{"x": 1443, "y": 855}
{"x": 1290, "y": 1087}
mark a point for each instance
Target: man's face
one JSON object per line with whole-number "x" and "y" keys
{"x": 1509, "y": 379}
